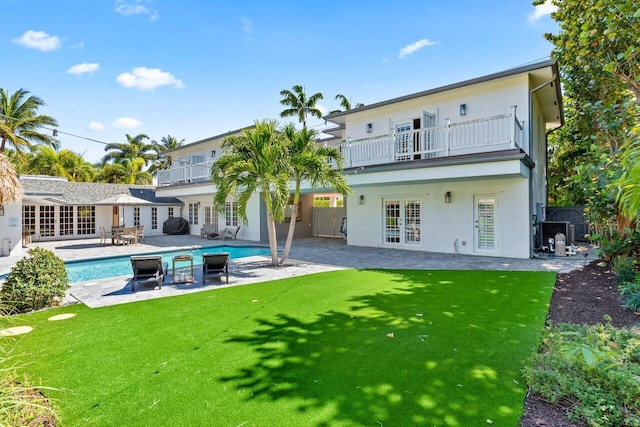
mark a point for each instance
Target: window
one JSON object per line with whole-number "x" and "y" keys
{"x": 154, "y": 218}
{"x": 231, "y": 214}
{"x": 211, "y": 216}
{"x": 66, "y": 220}
{"x": 86, "y": 220}
{"x": 28, "y": 219}
{"x": 136, "y": 216}
{"x": 47, "y": 221}
{"x": 170, "y": 211}
{"x": 193, "y": 213}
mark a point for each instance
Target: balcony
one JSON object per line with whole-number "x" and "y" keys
{"x": 476, "y": 136}
{"x": 195, "y": 172}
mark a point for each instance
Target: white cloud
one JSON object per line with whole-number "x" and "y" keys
{"x": 77, "y": 46}
{"x": 84, "y": 68}
{"x": 38, "y": 40}
{"x": 135, "y": 7}
{"x": 412, "y": 48}
{"x": 97, "y": 126}
{"x": 324, "y": 110}
{"x": 540, "y": 11}
{"x": 126, "y": 123}
{"x": 144, "y": 78}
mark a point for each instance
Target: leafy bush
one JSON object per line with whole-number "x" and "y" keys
{"x": 35, "y": 282}
{"x": 624, "y": 267}
{"x": 613, "y": 245}
{"x": 630, "y": 293}
{"x": 595, "y": 369}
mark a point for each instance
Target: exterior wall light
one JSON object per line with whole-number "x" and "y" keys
{"x": 369, "y": 127}
{"x": 463, "y": 109}
{"x": 361, "y": 199}
{"x": 447, "y": 197}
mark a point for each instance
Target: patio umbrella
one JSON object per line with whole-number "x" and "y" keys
{"x": 10, "y": 188}
{"x": 123, "y": 200}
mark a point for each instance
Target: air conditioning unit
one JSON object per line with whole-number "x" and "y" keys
{"x": 549, "y": 229}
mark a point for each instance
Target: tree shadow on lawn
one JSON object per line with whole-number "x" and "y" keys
{"x": 436, "y": 348}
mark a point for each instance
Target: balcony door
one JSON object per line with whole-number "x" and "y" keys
{"x": 485, "y": 223}
{"x": 402, "y": 221}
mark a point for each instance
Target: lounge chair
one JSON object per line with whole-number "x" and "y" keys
{"x": 231, "y": 232}
{"x": 148, "y": 268}
{"x": 207, "y": 230}
{"x": 215, "y": 265}
{"x": 104, "y": 235}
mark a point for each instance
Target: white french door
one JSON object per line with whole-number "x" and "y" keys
{"x": 485, "y": 223}
{"x": 402, "y": 222}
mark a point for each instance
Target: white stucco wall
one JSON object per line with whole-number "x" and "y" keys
{"x": 11, "y": 228}
{"x": 443, "y": 223}
{"x": 483, "y": 100}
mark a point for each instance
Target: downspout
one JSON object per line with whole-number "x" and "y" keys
{"x": 531, "y": 155}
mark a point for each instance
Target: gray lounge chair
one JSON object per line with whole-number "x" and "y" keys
{"x": 148, "y": 269}
{"x": 215, "y": 265}
{"x": 231, "y": 232}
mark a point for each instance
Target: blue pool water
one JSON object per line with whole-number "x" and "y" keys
{"x": 102, "y": 268}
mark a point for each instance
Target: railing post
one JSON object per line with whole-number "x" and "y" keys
{"x": 349, "y": 151}
{"x": 447, "y": 136}
{"x": 514, "y": 126}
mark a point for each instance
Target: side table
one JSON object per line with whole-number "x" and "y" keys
{"x": 185, "y": 278}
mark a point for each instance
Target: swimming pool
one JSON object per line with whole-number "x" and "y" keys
{"x": 102, "y": 268}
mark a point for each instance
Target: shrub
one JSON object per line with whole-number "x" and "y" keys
{"x": 35, "y": 282}
{"x": 624, "y": 267}
{"x": 593, "y": 368}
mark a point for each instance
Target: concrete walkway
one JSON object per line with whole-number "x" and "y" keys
{"x": 308, "y": 255}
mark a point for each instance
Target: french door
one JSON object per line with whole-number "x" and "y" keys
{"x": 485, "y": 223}
{"x": 402, "y": 221}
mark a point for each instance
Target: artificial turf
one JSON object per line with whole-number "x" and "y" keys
{"x": 343, "y": 348}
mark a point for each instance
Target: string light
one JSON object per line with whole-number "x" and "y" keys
{"x": 56, "y": 132}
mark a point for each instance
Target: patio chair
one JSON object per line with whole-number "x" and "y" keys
{"x": 104, "y": 235}
{"x": 140, "y": 233}
{"x": 129, "y": 235}
{"x": 215, "y": 265}
{"x": 148, "y": 269}
{"x": 207, "y": 230}
{"x": 231, "y": 232}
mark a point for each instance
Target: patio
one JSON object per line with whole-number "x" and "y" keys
{"x": 308, "y": 255}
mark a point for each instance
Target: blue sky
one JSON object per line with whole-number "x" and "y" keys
{"x": 194, "y": 69}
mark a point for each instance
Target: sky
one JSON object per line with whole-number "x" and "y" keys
{"x": 196, "y": 69}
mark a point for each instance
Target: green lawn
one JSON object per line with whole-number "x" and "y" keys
{"x": 312, "y": 350}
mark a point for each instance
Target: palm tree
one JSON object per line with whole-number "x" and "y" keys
{"x": 127, "y": 173}
{"x": 310, "y": 161}
{"x": 65, "y": 163}
{"x": 163, "y": 162}
{"x": 345, "y": 104}
{"x": 254, "y": 161}
{"x": 19, "y": 122}
{"x": 299, "y": 105}
{"x": 133, "y": 156}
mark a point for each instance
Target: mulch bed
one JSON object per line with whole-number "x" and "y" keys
{"x": 582, "y": 297}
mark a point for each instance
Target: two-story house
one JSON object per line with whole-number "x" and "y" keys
{"x": 459, "y": 168}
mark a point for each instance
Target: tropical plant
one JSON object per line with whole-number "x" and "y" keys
{"x": 300, "y": 104}
{"x": 10, "y": 188}
{"x": 37, "y": 281}
{"x": 310, "y": 161}
{"x": 254, "y": 161}
{"x": 65, "y": 163}
{"x": 128, "y": 173}
{"x": 345, "y": 103}
{"x": 19, "y": 122}
{"x": 133, "y": 156}
{"x": 597, "y": 52}
{"x": 163, "y": 162}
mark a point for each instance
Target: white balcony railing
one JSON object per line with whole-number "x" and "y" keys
{"x": 475, "y": 136}
{"x": 196, "y": 172}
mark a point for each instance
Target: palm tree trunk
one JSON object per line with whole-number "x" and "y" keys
{"x": 292, "y": 224}
{"x": 271, "y": 227}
